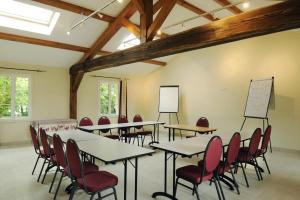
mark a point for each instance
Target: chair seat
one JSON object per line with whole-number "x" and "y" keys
{"x": 192, "y": 174}
{"x": 97, "y": 181}
{"x": 87, "y": 168}
{"x": 114, "y": 137}
{"x": 144, "y": 133}
{"x": 129, "y": 135}
{"x": 244, "y": 155}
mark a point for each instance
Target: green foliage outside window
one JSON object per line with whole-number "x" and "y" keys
{"x": 5, "y": 96}
{"x": 108, "y": 98}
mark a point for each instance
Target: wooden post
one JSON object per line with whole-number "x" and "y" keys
{"x": 75, "y": 80}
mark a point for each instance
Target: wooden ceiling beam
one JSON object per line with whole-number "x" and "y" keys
{"x": 157, "y": 6}
{"x": 146, "y": 19}
{"x": 111, "y": 30}
{"x": 275, "y": 18}
{"x": 233, "y": 9}
{"x": 153, "y": 62}
{"x": 132, "y": 28}
{"x": 75, "y": 9}
{"x": 160, "y": 18}
{"x": 48, "y": 43}
{"x": 196, "y": 10}
{"x": 139, "y": 4}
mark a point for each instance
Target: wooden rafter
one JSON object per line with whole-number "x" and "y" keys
{"x": 160, "y": 18}
{"x": 146, "y": 19}
{"x": 275, "y": 18}
{"x": 139, "y": 4}
{"x": 233, "y": 9}
{"x": 59, "y": 45}
{"x": 127, "y": 12}
{"x": 195, "y": 9}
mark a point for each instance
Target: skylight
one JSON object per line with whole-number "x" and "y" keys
{"x": 17, "y": 15}
{"x": 129, "y": 41}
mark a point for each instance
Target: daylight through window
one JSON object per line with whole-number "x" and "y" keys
{"x": 109, "y": 93}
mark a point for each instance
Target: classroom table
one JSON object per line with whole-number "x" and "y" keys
{"x": 108, "y": 151}
{"x": 184, "y": 127}
{"x": 127, "y": 125}
{"x": 186, "y": 148}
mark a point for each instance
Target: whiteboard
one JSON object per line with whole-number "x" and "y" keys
{"x": 260, "y": 93}
{"x": 168, "y": 99}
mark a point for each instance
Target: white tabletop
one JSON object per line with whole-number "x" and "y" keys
{"x": 103, "y": 148}
{"x": 121, "y": 125}
{"x": 190, "y": 146}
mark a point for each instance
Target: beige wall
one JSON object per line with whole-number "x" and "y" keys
{"x": 214, "y": 83}
{"x": 50, "y": 100}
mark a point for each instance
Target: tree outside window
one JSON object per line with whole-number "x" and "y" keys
{"x": 109, "y": 96}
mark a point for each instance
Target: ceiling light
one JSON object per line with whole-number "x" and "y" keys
{"x": 100, "y": 15}
{"x": 158, "y": 32}
{"x": 120, "y": 1}
{"x": 246, "y": 5}
{"x": 68, "y": 33}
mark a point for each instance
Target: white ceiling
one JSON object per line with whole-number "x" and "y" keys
{"x": 86, "y": 34}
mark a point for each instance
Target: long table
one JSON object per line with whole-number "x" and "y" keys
{"x": 184, "y": 127}
{"x": 187, "y": 148}
{"x": 127, "y": 125}
{"x": 107, "y": 150}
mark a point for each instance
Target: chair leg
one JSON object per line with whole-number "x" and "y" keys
{"x": 36, "y": 162}
{"x": 41, "y": 170}
{"x": 266, "y": 163}
{"x": 99, "y": 196}
{"x": 176, "y": 184}
{"x": 196, "y": 191}
{"x": 58, "y": 186}
{"x": 53, "y": 179}
{"x": 244, "y": 175}
{"x": 235, "y": 183}
{"x": 92, "y": 196}
{"x": 74, "y": 188}
{"x": 115, "y": 193}
{"x": 220, "y": 187}
{"x": 217, "y": 188}
{"x": 258, "y": 170}
{"x": 46, "y": 171}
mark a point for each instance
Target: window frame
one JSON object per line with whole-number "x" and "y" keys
{"x": 109, "y": 82}
{"x": 13, "y": 77}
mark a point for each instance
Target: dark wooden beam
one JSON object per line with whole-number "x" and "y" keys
{"x": 48, "y": 43}
{"x": 139, "y": 4}
{"x": 146, "y": 19}
{"x": 275, "y": 18}
{"x": 233, "y": 9}
{"x": 127, "y": 12}
{"x": 157, "y": 6}
{"x": 160, "y": 18}
{"x": 196, "y": 10}
{"x": 75, "y": 80}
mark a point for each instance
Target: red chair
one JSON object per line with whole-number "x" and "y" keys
{"x": 125, "y": 132}
{"x": 86, "y": 122}
{"x": 36, "y": 145}
{"x": 93, "y": 182}
{"x": 229, "y": 161}
{"x": 104, "y": 121}
{"x": 62, "y": 166}
{"x": 202, "y": 122}
{"x": 206, "y": 169}
{"x": 248, "y": 154}
{"x": 264, "y": 146}
{"x": 47, "y": 154}
{"x": 142, "y": 133}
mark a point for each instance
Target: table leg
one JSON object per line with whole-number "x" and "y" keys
{"x": 173, "y": 134}
{"x": 174, "y": 175}
{"x": 169, "y": 134}
{"x": 136, "y": 178}
{"x": 157, "y": 133}
{"x": 125, "y": 179}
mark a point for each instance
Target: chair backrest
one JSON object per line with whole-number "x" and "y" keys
{"x": 254, "y": 141}
{"x": 233, "y": 149}
{"x": 86, "y": 122}
{"x": 266, "y": 139}
{"x": 138, "y": 118}
{"x": 103, "y": 121}
{"x": 45, "y": 143}
{"x": 123, "y": 119}
{"x": 202, "y": 122}
{"x": 34, "y": 138}
{"x": 59, "y": 152}
{"x": 213, "y": 154}
{"x": 73, "y": 159}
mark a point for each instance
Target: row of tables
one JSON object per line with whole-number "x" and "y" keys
{"x": 111, "y": 151}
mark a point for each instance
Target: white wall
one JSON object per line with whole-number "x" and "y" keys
{"x": 214, "y": 83}
{"x": 50, "y": 100}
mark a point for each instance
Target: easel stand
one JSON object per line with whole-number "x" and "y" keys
{"x": 170, "y": 120}
{"x": 264, "y": 119}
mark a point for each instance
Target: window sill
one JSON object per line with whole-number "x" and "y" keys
{"x": 9, "y": 120}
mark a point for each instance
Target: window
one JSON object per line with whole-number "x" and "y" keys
{"x": 15, "y": 97}
{"x": 22, "y": 16}
{"x": 129, "y": 41}
{"x": 109, "y": 97}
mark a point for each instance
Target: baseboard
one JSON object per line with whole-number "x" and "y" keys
{"x": 286, "y": 150}
{"x": 15, "y": 144}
